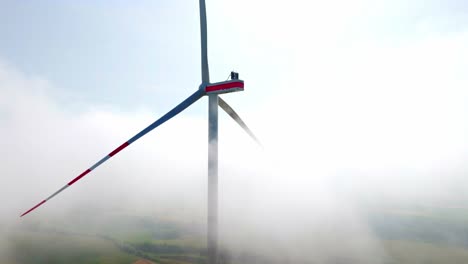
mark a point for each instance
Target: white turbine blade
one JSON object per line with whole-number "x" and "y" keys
{"x": 204, "y": 48}
{"x": 237, "y": 118}
{"x": 176, "y": 110}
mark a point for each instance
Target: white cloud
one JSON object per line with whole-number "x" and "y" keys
{"x": 164, "y": 171}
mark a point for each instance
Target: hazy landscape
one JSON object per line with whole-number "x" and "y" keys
{"x": 361, "y": 108}
{"x": 410, "y": 234}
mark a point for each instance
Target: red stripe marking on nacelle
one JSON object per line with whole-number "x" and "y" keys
{"x": 79, "y": 177}
{"x": 39, "y": 204}
{"x": 117, "y": 150}
{"x": 224, "y": 86}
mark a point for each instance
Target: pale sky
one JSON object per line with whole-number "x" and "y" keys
{"x": 142, "y": 53}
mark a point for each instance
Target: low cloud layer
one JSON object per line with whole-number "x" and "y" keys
{"x": 164, "y": 173}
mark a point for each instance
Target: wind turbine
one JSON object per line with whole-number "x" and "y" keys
{"x": 212, "y": 90}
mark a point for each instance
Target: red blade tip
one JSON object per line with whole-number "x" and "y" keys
{"x": 27, "y": 212}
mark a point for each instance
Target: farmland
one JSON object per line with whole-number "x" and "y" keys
{"x": 409, "y": 235}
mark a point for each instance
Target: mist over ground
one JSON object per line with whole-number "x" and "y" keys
{"x": 357, "y": 123}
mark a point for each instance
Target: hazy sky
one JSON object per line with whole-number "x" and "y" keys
{"x": 360, "y": 86}
{"x": 347, "y": 96}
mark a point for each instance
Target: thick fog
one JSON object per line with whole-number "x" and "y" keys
{"x": 352, "y": 119}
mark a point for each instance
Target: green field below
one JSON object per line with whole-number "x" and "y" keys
{"x": 119, "y": 239}
{"x": 410, "y": 252}
{"x": 407, "y": 236}
{"x": 46, "y": 248}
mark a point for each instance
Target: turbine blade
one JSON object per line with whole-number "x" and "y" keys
{"x": 204, "y": 48}
{"x": 176, "y": 110}
{"x": 237, "y": 118}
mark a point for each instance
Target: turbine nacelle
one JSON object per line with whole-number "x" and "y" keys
{"x": 223, "y": 87}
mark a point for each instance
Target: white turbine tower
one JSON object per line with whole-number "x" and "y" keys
{"x": 212, "y": 90}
